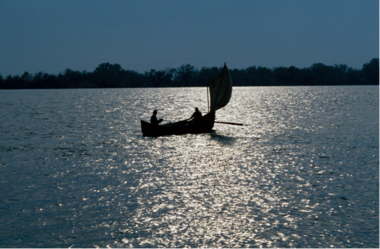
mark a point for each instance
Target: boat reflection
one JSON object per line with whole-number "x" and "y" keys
{"x": 221, "y": 139}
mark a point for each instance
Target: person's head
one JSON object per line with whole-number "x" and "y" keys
{"x": 196, "y": 109}
{"x": 155, "y": 112}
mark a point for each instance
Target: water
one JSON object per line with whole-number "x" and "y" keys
{"x": 303, "y": 171}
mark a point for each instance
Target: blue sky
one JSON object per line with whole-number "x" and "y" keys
{"x": 53, "y": 35}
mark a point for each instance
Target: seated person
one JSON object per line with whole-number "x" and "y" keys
{"x": 153, "y": 119}
{"x": 196, "y": 115}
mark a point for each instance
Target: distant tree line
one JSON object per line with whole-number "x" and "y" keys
{"x": 108, "y": 75}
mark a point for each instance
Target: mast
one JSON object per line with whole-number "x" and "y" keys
{"x": 208, "y": 102}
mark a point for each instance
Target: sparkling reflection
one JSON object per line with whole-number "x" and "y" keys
{"x": 87, "y": 178}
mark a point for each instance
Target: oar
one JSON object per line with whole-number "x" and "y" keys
{"x": 230, "y": 123}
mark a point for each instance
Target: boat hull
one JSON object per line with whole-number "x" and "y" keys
{"x": 202, "y": 125}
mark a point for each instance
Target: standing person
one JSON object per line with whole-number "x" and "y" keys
{"x": 153, "y": 119}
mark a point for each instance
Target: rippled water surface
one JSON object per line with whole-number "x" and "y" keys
{"x": 75, "y": 170}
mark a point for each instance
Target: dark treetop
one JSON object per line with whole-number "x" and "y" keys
{"x": 108, "y": 75}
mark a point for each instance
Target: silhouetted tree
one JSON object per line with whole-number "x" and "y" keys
{"x": 133, "y": 79}
{"x": 252, "y": 76}
{"x": 282, "y": 76}
{"x": 324, "y": 75}
{"x": 13, "y": 82}
{"x": 71, "y": 77}
{"x": 108, "y": 75}
{"x": 112, "y": 75}
{"x": 2, "y": 86}
{"x": 265, "y": 76}
{"x": 371, "y": 70}
{"x": 185, "y": 75}
{"x": 206, "y": 75}
{"x": 159, "y": 78}
{"x": 27, "y": 76}
{"x": 356, "y": 77}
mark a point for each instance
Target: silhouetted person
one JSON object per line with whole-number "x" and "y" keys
{"x": 153, "y": 119}
{"x": 196, "y": 115}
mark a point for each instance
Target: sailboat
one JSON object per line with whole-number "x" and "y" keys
{"x": 218, "y": 95}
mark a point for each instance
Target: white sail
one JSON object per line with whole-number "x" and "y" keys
{"x": 220, "y": 90}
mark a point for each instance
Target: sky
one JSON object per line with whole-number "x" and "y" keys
{"x": 140, "y": 35}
